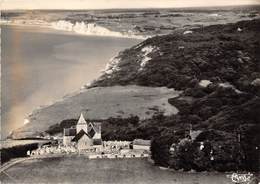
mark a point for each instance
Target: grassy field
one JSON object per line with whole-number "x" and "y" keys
{"x": 102, "y": 103}
{"x": 81, "y": 170}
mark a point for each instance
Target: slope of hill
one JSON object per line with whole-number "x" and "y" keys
{"x": 101, "y": 103}
{"x": 220, "y": 53}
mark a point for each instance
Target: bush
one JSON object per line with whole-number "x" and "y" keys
{"x": 160, "y": 150}
{"x": 221, "y": 151}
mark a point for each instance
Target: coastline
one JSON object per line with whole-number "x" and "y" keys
{"x": 48, "y": 29}
{"x": 87, "y": 59}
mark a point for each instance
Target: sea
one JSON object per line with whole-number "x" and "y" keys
{"x": 41, "y": 66}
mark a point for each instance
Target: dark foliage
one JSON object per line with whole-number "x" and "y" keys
{"x": 218, "y": 53}
{"x": 160, "y": 150}
{"x": 58, "y": 128}
{"x": 16, "y": 152}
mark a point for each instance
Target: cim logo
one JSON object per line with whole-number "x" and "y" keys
{"x": 241, "y": 178}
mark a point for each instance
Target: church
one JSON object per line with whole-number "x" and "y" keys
{"x": 86, "y": 135}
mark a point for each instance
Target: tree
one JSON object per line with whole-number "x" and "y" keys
{"x": 160, "y": 147}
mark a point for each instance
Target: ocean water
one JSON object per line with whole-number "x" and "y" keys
{"x": 40, "y": 66}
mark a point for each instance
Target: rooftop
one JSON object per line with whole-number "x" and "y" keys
{"x": 142, "y": 142}
{"x": 79, "y": 135}
{"x": 70, "y": 132}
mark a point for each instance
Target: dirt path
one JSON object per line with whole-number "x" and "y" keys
{"x": 12, "y": 162}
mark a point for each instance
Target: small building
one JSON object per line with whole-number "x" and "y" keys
{"x": 140, "y": 144}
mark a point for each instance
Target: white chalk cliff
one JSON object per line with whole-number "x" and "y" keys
{"x": 91, "y": 29}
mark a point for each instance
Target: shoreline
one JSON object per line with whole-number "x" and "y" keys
{"x": 49, "y": 29}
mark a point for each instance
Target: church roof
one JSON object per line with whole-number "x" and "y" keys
{"x": 91, "y": 132}
{"x": 70, "y": 132}
{"x": 96, "y": 126}
{"x": 79, "y": 135}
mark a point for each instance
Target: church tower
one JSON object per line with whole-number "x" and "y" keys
{"x": 82, "y": 124}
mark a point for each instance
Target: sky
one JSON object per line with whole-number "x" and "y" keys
{"x": 107, "y": 4}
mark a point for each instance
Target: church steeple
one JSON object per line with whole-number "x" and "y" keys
{"x": 82, "y": 124}
{"x": 81, "y": 120}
